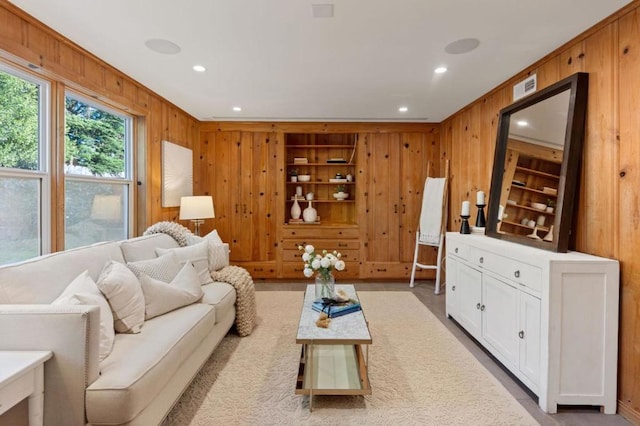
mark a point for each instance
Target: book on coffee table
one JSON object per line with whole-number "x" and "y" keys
{"x": 334, "y": 311}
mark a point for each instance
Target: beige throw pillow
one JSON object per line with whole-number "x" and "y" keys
{"x": 163, "y": 268}
{"x": 197, "y": 254}
{"x": 218, "y": 252}
{"x": 123, "y": 291}
{"x": 84, "y": 291}
{"x": 161, "y": 297}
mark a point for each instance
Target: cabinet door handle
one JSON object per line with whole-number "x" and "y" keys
{"x": 456, "y": 250}
{"x": 236, "y": 209}
{"x": 478, "y": 306}
{"x": 404, "y": 208}
{"x": 521, "y": 334}
{"x": 453, "y": 288}
{"x": 482, "y": 308}
{"x": 244, "y": 209}
{"x": 395, "y": 208}
{"x": 482, "y": 260}
{"x": 517, "y": 274}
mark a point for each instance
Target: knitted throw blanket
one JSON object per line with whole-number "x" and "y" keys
{"x": 241, "y": 280}
{"x": 237, "y": 276}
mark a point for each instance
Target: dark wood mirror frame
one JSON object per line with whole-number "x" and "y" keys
{"x": 567, "y": 190}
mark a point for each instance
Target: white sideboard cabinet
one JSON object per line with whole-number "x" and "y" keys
{"x": 550, "y": 318}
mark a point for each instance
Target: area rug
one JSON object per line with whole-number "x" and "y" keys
{"x": 420, "y": 374}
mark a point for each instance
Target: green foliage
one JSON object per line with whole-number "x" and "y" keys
{"x": 94, "y": 139}
{"x": 18, "y": 123}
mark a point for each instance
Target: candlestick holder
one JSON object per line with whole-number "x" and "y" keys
{"x": 464, "y": 226}
{"x": 480, "y": 220}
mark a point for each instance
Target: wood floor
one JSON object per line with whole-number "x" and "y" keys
{"x": 567, "y": 415}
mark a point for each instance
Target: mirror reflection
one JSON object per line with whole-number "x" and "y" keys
{"x": 536, "y": 169}
{"x": 532, "y": 167}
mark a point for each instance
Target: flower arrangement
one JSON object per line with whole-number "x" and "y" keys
{"x": 322, "y": 263}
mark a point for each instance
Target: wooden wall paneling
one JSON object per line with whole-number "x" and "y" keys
{"x": 628, "y": 175}
{"x": 600, "y": 152}
{"x": 547, "y": 72}
{"x": 262, "y": 199}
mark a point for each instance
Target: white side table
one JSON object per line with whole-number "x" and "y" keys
{"x": 22, "y": 376}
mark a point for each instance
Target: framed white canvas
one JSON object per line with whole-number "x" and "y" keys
{"x": 177, "y": 173}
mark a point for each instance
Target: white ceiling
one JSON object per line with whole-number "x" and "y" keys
{"x": 277, "y": 62}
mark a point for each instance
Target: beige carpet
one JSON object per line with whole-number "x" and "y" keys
{"x": 420, "y": 374}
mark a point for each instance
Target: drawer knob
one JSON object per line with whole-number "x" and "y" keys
{"x": 456, "y": 250}
{"x": 482, "y": 260}
{"x": 453, "y": 288}
{"x": 521, "y": 334}
{"x": 517, "y": 274}
{"x": 478, "y": 306}
{"x": 482, "y": 308}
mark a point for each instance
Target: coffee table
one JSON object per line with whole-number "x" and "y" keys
{"x": 333, "y": 360}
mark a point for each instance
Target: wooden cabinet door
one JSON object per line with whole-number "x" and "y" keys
{"x": 245, "y": 193}
{"x": 382, "y": 197}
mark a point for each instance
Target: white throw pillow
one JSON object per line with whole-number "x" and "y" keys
{"x": 218, "y": 253}
{"x": 161, "y": 297}
{"x": 123, "y": 291}
{"x": 84, "y": 291}
{"x": 163, "y": 268}
{"x": 197, "y": 254}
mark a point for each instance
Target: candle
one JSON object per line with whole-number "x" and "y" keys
{"x": 480, "y": 198}
{"x": 465, "y": 209}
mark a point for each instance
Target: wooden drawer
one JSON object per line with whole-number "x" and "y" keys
{"x": 349, "y": 256}
{"x": 294, "y": 270}
{"x": 317, "y": 232}
{"x": 339, "y": 245}
{"x": 513, "y": 270}
{"x": 260, "y": 269}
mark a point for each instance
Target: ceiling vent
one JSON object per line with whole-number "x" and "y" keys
{"x": 322, "y": 10}
{"x": 525, "y": 87}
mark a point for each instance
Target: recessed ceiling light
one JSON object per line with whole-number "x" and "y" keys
{"x": 199, "y": 68}
{"x": 165, "y": 47}
{"x": 463, "y": 45}
{"x": 522, "y": 123}
{"x": 440, "y": 70}
{"x": 237, "y": 109}
{"x": 403, "y": 109}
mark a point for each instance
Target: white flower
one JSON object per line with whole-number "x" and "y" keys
{"x": 315, "y": 264}
{"x": 306, "y": 256}
{"x": 308, "y": 272}
{"x": 325, "y": 262}
{"x": 340, "y": 265}
{"x": 309, "y": 249}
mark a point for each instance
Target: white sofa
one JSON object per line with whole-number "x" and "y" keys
{"x": 145, "y": 373}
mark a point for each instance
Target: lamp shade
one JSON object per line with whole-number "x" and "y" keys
{"x": 196, "y": 207}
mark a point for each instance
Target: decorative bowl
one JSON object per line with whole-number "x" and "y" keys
{"x": 304, "y": 178}
{"x": 340, "y": 195}
{"x": 539, "y": 206}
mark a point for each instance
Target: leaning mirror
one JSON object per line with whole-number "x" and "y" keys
{"x": 536, "y": 167}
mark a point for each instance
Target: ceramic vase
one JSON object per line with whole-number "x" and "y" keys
{"x": 325, "y": 285}
{"x": 296, "y": 211}
{"x": 309, "y": 214}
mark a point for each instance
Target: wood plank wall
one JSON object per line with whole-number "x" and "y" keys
{"x": 26, "y": 42}
{"x": 609, "y": 206}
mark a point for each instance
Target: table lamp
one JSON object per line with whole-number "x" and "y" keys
{"x": 196, "y": 209}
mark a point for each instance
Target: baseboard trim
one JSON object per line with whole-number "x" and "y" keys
{"x": 629, "y": 413}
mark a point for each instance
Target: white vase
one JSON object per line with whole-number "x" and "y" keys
{"x": 309, "y": 214}
{"x": 295, "y": 209}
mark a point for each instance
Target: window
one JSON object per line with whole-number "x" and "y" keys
{"x": 24, "y": 176}
{"x": 98, "y": 172}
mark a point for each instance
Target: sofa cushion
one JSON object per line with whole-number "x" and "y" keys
{"x": 222, "y": 296}
{"x": 141, "y": 364}
{"x": 143, "y": 248}
{"x": 161, "y": 297}
{"x": 198, "y": 254}
{"x": 163, "y": 268}
{"x": 84, "y": 291}
{"x": 218, "y": 251}
{"x": 123, "y": 291}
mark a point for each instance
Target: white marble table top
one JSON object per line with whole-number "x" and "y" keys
{"x": 14, "y": 363}
{"x": 350, "y": 329}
